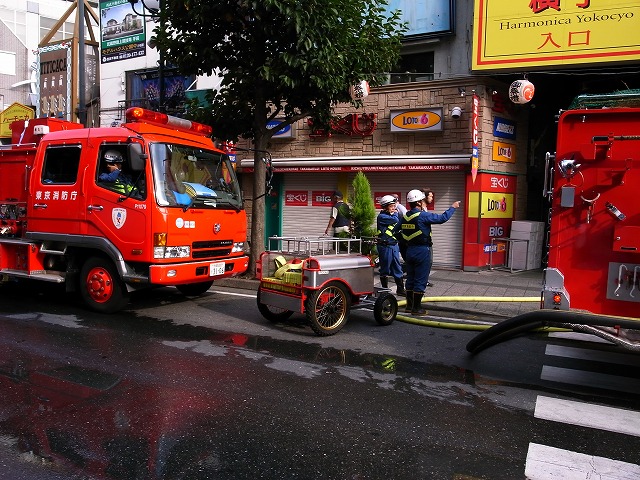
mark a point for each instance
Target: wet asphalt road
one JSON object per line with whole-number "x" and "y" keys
{"x": 207, "y": 389}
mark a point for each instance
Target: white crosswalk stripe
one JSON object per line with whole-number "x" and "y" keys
{"x": 588, "y": 415}
{"x": 551, "y": 463}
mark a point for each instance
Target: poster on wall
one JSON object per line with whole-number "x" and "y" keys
{"x": 122, "y": 31}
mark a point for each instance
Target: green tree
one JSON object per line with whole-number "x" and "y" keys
{"x": 289, "y": 59}
{"x": 363, "y": 211}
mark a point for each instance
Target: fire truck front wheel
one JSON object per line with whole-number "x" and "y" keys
{"x": 101, "y": 287}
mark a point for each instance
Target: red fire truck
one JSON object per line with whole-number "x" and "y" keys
{"x": 592, "y": 280}
{"x": 173, "y": 216}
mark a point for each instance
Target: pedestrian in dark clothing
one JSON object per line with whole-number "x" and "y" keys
{"x": 339, "y": 219}
{"x": 388, "y": 251}
{"x": 416, "y": 231}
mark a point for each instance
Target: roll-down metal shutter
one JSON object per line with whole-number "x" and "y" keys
{"x": 448, "y": 187}
{"x": 306, "y": 221}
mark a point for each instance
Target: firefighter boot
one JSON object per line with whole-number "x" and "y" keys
{"x": 400, "y": 287}
{"x": 417, "y": 304}
{"x": 409, "y": 306}
{"x": 384, "y": 283}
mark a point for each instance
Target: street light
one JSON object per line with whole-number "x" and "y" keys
{"x": 153, "y": 7}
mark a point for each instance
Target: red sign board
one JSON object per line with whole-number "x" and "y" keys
{"x": 322, "y": 198}
{"x": 367, "y": 168}
{"x": 296, "y": 198}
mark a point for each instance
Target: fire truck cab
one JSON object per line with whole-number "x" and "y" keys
{"x": 172, "y": 215}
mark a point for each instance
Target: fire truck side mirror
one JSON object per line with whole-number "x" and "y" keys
{"x": 137, "y": 157}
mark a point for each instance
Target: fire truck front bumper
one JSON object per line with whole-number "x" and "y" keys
{"x": 195, "y": 272}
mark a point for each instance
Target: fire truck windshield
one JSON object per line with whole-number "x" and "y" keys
{"x": 193, "y": 177}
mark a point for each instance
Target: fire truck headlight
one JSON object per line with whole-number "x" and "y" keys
{"x": 237, "y": 247}
{"x": 172, "y": 252}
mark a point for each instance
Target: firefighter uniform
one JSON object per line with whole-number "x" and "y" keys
{"x": 416, "y": 232}
{"x": 388, "y": 250}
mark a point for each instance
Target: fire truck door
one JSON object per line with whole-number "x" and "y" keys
{"x": 56, "y": 201}
{"x": 117, "y": 210}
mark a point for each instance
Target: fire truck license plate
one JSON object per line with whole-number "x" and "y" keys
{"x": 216, "y": 269}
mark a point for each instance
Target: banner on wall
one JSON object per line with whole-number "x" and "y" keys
{"x": 364, "y": 168}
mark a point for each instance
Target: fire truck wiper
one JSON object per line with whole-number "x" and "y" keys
{"x": 227, "y": 202}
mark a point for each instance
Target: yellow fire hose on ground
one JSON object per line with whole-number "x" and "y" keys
{"x": 467, "y": 326}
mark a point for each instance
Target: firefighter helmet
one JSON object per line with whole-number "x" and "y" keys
{"x": 112, "y": 156}
{"x": 387, "y": 200}
{"x": 415, "y": 196}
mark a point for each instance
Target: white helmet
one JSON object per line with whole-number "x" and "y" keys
{"x": 387, "y": 200}
{"x": 415, "y": 196}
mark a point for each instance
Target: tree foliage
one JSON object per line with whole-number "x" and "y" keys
{"x": 277, "y": 58}
{"x": 363, "y": 210}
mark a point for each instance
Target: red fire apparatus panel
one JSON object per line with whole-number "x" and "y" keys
{"x": 594, "y": 241}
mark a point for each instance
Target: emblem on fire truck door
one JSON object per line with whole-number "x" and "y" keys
{"x": 118, "y": 216}
{"x": 216, "y": 228}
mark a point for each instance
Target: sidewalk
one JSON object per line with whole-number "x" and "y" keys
{"x": 471, "y": 285}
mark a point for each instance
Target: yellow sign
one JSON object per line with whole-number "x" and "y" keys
{"x": 504, "y": 152}
{"x": 512, "y": 34}
{"x": 15, "y": 111}
{"x": 490, "y": 204}
{"x": 412, "y": 120}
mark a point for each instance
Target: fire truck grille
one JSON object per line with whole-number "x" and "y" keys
{"x": 211, "y": 248}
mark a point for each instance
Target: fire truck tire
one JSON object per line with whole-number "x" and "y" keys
{"x": 385, "y": 309}
{"x": 271, "y": 313}
{"x": 194, "y": 289}
{"x": 101, "y": 287}
{"x": 327, "y": 309}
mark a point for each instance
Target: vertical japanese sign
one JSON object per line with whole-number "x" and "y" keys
{"x": 475, "y": 159}
{"x": 54, "y": 81}
{"x": 527, "y": 33}
{"x": 122, "y": 31}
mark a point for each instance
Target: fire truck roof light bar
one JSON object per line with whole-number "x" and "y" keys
{"x": 137, "y": 114}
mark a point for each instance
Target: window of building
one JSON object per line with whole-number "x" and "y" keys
{"x": 7, "y": 63}
{"x": 416, "y": 67}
